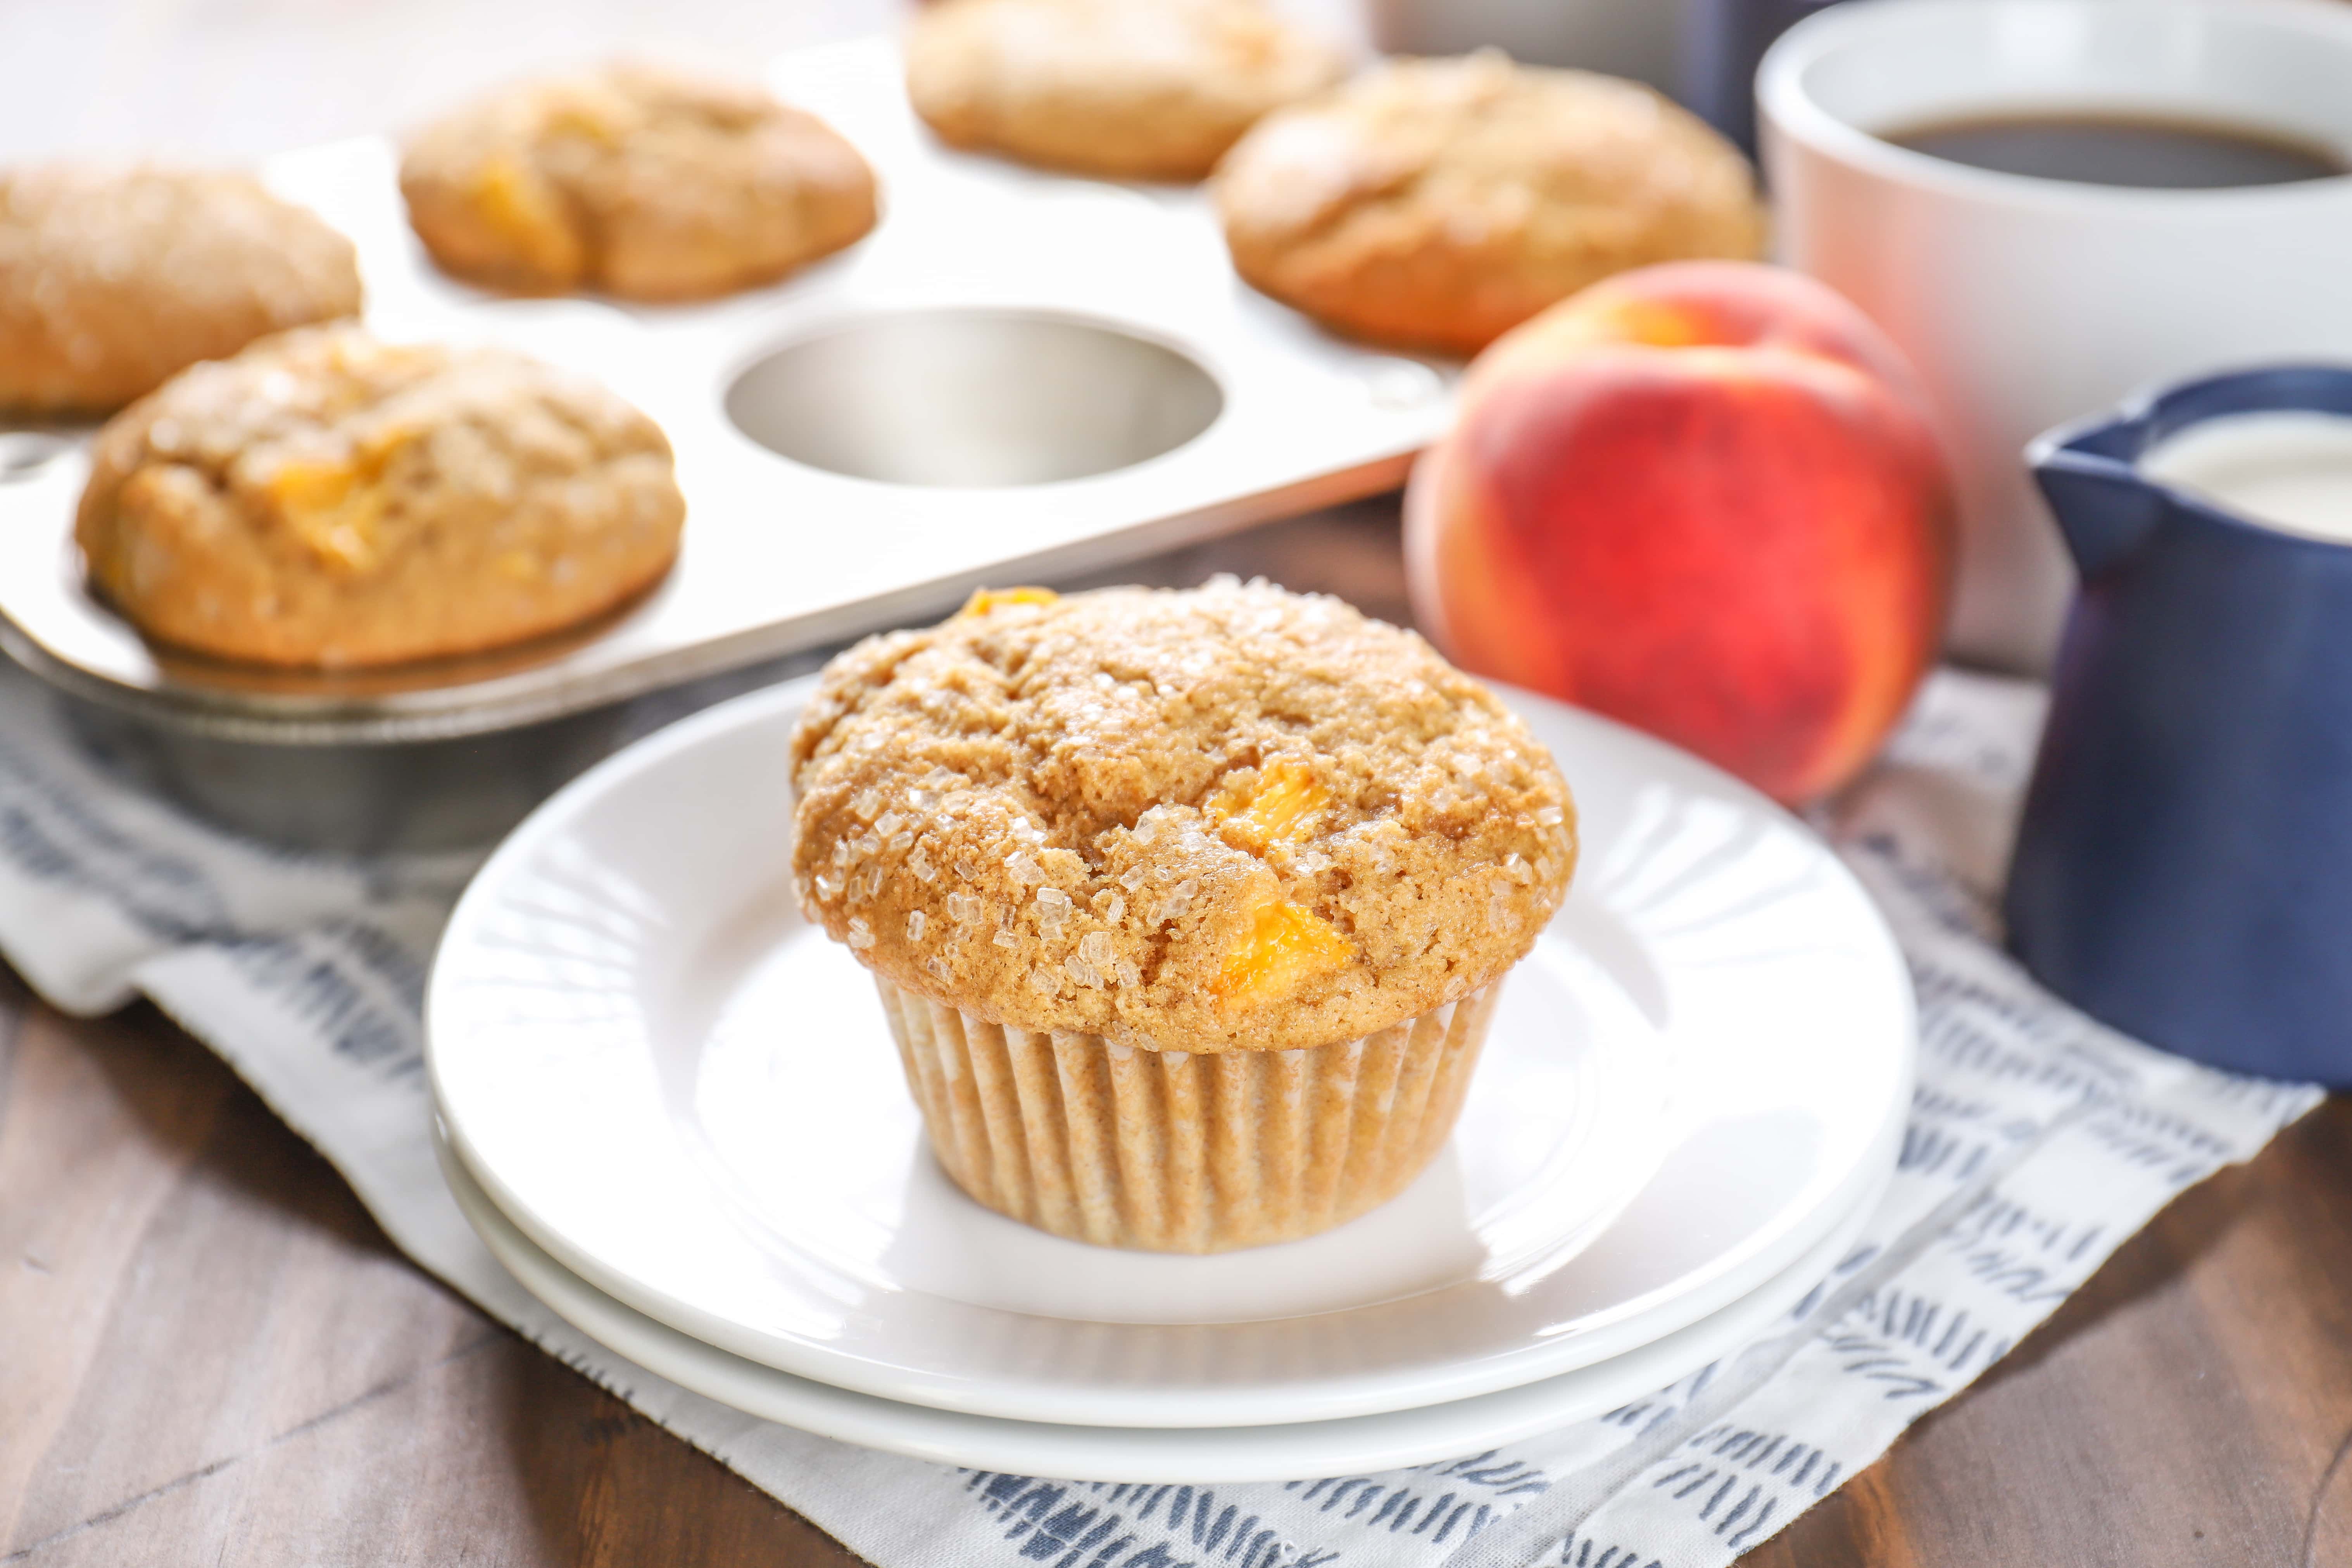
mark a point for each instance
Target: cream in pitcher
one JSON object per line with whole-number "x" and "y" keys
{"x": 2291, "y": 469}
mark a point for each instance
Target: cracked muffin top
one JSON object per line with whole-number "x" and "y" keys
{"x": 327, "y": 500}
{"x": 1438, "y": 203}
{"x": 1227, "y": 818}
{"x": 112, "y": 277}
{"x": 643, "y": 181}
{"x": 1141, "y": 90}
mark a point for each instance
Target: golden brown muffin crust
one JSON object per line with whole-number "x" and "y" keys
{"x": 1227, "y": 818}
{"x": 327, "y": 500}
{"x": 636, "y": 179}
{"x": 1435, "y": 203}
{"x": 1146, "y": 89}
{"x": 113, "y": 278}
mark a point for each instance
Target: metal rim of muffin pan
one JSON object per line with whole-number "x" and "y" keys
{"x": 1017, "y": 375}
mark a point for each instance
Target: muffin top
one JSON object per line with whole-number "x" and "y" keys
{"x": 113, "y": 278}
{"x": 1218, "y": 819}
{"x": 640, "y": 180}
{"x": 325, "y": 499}
{"x": 1148, "y": 89}
{"x": 1437, "y": 203}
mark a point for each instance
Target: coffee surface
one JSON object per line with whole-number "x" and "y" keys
{"x": 2122, "y": 150}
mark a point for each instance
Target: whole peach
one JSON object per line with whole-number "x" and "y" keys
{"x": 1702, "y": 497}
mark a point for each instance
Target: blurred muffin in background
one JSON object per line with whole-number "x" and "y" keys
{"x": 635, "y": 180}
{"x": 325, "y": 500}
{"x": 1435, "y": 203}
{"x": 113, "y": 278}
{"x": 1188, "y": 910}
{"x": 1142, "y": 90}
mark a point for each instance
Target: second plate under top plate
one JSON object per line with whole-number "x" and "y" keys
{"x": 689, "y": 1097}
{"x": 1355, "y": 1445}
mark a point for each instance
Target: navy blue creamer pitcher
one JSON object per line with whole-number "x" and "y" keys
{"x": 2183, "y": 868}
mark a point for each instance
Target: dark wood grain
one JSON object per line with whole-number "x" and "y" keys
{"x": 212, "y": 1355}
{"x": 2186, "y": 1407}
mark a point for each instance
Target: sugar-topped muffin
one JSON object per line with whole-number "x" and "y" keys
{"x": 1245, "y": 866}
{"x": 1436, "y": 204}
{"x": 112, "y": 277}
{"x": 329, "y": 499}
{"x": 640, "y": 180}
{"x": 1129, "y": 89}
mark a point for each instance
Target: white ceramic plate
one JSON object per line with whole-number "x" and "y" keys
{"x": 1198, "y": 1455}
{"x": 689, "y": 1097}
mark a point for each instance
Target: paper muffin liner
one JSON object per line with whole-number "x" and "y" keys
{"x": 1178, "y": 1152}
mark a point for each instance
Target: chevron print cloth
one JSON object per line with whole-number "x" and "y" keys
{"x": 2038, "y": 1143}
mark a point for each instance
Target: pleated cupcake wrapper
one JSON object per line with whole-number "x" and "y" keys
{"x": 1177, "y": 1152}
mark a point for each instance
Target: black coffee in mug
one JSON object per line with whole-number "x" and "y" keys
{"x": 2108, "y": 149}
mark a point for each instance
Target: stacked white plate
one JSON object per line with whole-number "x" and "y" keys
{"x": 673, "y": 1109}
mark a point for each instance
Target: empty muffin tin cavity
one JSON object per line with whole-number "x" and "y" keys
{"x": 972, "y": 398}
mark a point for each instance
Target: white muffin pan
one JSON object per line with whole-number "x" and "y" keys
{"x": 1015, "y": 376}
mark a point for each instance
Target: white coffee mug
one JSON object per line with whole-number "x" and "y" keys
{"x": 2024, "y": 301}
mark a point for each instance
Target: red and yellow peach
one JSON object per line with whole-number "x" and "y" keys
{"x": 1704, "y": 498}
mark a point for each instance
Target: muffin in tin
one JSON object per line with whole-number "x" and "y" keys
{"x": 1435, "y": 203}
{"x": 1188, "y": 909}
{"x": 325, "y": 500}
{"x": 640, "y": 180}
{"x": 114, "y": 277}
{"x": 1129, "y": 90}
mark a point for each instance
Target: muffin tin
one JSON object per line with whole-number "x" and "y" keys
{"x": 1016, "y": 376}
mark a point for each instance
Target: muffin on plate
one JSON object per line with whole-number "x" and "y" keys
{"x": 1138, "y": 89}
{"x": 1434, "y": 204}
{"x": 113, "y": 278}
{"x": 325, "y": 500}
{"x": 1188, "y": 909}
{"x": 634, "y": 179}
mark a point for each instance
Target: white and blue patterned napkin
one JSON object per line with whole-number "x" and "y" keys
{"x": 2038, "y": 1143}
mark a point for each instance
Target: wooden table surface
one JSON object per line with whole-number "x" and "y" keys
{"x": 209, "y": 1354}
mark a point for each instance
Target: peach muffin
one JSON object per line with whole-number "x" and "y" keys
{"x": 113, "y": 279}
{"x": 325, "y": 500}
{"x": 634, "y": 179}
{"x": 1130, "y": 89}
{"x": 1188, "y": 909}
{"x": 1435, "y": 203}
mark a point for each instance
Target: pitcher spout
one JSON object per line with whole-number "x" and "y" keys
{"x": 2106, "y": 510}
